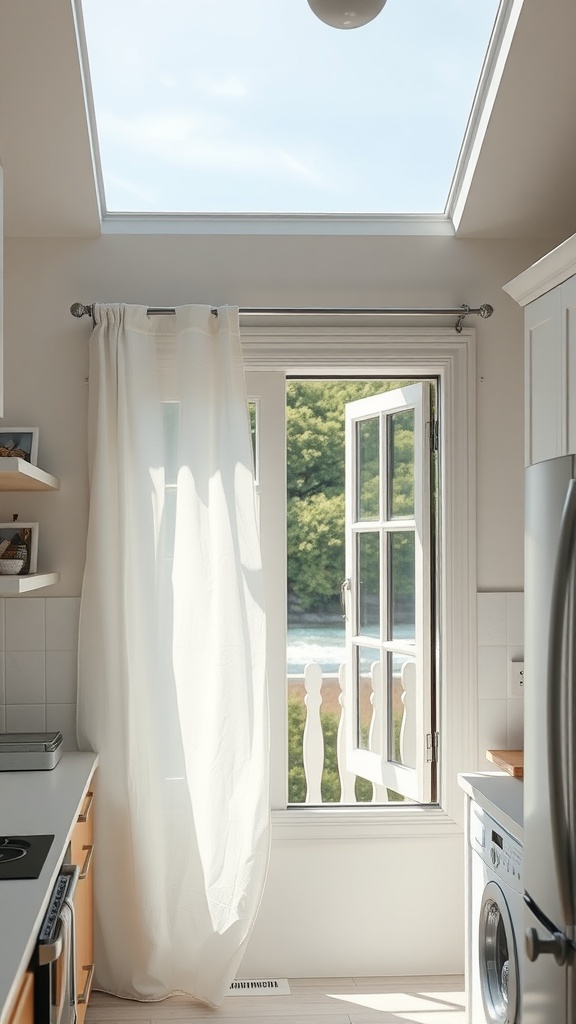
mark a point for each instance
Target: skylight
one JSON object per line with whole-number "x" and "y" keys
{"x": 255, "y": 106}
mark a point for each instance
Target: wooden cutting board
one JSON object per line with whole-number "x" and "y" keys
{"x": 511, "y": 761}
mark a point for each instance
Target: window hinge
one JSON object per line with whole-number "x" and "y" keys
{"x": 432, "y": 747}
{"x": 433, "y": 435}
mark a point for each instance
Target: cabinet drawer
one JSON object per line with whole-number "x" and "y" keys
{"x": 83, "y": 833}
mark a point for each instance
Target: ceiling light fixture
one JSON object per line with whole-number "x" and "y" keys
{"x": 346, "y": 13}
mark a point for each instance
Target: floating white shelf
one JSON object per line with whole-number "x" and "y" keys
{"x": 10, "y": 586}
{"x": 19, "y": 475}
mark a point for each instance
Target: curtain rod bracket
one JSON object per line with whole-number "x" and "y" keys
{"x": 484, "y": 311}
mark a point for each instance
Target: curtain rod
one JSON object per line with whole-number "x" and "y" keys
{"x": 484, "y": 311}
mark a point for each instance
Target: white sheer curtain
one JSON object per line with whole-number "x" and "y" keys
{"x": 171, "y": 655}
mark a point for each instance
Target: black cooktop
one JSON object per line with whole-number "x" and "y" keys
{"x": 23, "y": 856}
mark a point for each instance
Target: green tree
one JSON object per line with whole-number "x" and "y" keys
{"x": 296, "y": 777}
{"x": 316, "y": 478}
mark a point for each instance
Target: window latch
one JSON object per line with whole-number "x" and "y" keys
{"x": 344, "y": 586}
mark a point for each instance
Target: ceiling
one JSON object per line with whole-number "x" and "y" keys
{"x": 520, "y": 182}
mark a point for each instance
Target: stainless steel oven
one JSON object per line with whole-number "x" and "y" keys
{"x": 55, "y": 973}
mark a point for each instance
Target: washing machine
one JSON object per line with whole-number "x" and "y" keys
{"x": 495, "y": 921}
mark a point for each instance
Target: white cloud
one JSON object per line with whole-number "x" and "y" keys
{"x": 199, "y": 142}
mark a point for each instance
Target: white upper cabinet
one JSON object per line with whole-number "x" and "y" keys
{"x": 548, "y": 292}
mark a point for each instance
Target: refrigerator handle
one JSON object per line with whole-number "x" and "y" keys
{"x": 559, "y": 758}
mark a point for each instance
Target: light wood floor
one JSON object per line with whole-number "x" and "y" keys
{"x": 316, "y": 1000}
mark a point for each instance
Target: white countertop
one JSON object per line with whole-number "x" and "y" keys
{"x": 35, "y": 803}
{"x": 499, "y": 794}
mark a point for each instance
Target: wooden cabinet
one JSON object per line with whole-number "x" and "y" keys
{"x": 547, "y": 290}
{"x": 22, "y": 1011}
{"x": 82, "y": 854}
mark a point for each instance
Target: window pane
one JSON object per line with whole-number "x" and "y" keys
{"x": 368, "y": 447}
{"x": 402, "y": 584}
{"x": 367, "y": 662}
{"x": 401, "y": 463}
{"x": 402, "y": 720}
{"x": 369, "y": 584}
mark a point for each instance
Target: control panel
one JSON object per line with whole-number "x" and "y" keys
{"x": 498, "y": 849}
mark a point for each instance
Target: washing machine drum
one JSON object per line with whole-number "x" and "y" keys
{"x": 498, "y": 960}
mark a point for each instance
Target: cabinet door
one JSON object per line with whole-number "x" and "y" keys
{"x": 544, "y": 405}
{"x": 82, "y": 851}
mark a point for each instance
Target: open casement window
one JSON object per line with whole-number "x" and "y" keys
{"x": 388, "y": 593}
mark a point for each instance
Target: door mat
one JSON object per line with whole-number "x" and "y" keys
{"x": 260, "y": 987}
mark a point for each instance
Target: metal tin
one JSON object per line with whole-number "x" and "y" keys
{"x": 30, "y": 751}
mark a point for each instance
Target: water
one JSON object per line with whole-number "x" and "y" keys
{"x": 321, "y": 644}
{"x": 325, "y": 645}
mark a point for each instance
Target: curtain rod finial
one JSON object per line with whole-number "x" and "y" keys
{"x": 79, "y": 309}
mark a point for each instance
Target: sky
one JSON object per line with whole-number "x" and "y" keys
{"x": 256, "y": 106}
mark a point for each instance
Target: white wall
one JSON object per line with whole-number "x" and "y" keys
{"x": 46, "y": 352}
{"x": 362, "y": 906}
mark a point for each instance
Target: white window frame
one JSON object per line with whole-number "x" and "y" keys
{"x": 281, "y": 352}
{"x": 377, "y": 762}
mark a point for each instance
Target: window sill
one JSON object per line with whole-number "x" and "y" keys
{"x": 363, "y": 823}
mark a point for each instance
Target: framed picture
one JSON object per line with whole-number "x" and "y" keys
{"x": 18, "y": 544}
{"x": 19, "y": 443}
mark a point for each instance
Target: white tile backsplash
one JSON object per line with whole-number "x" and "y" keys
{"x": 25, "y": 677}
{"x": 500, "y": 640}
{"x": 62, "y": 616}
{"x": 492, "y": 730}
{"x": 63, "y": 717}
{"x": 515, "y": 620}
{"x": 38, "y": 665}
{"x": 25, "y": 718}
{"x": 515, "y": 723}
{"x": 61, "y": 677}
{"x": 25, "y": 623}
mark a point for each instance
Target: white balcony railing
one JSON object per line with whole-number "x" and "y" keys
{"x": 313, "y": 749}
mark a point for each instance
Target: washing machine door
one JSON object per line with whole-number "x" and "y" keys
{"x": 498, "y": 966}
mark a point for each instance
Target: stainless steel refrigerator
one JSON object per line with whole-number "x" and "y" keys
{"x": 549, "y": 743}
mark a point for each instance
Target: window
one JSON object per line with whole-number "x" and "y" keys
{"x": 350, "y": 675}
{"x": 183, "y": 124}
{"x": 390, "y": 613}
{"x": 388, "y": 533}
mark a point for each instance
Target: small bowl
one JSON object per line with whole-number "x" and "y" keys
{"x": 11, "y": 566}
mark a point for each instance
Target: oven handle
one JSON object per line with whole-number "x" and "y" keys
{"x": 74, "y": 872}
{"x": 48, "y": 952}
